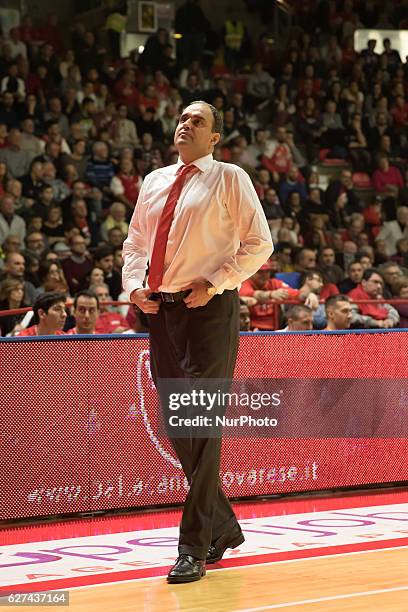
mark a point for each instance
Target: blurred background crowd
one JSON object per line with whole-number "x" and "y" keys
{"x": 321, "y": 129}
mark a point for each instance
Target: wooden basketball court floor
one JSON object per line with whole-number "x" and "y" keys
{"x": 317, "y": 553}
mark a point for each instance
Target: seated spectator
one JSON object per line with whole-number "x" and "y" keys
{"x": 331, "y": 272}
{"x": 342, "y": 190}
{"x": 123, "y": 130}
{"x": 401, "y": 256}
{"x": 104, "y": 259}
{"x": 353, "y": 278}
{"x": 49, "y": 315}
{"x": 278, "y": 158}
{"x": 14, "y": 268}
{"x": 10, "y": 223}
{"x": 265, "y": 289}
{"x": 400, "y": 292}
{"x": 77, "y": 158}
{"x": 29, "y": 141}
{"x": 78, "y": 265}
{"x": 299, "y": 318}
{"x": 32, "y": 182}
{"x": 53, "y": 226}
{"x": 272, "y": 208}
{"x": 382, "y": 315}
{"x": 291, "y": 182}
{"x": 109, "y": 321}
{"x": 16, "y": 158}
{"x": 126, "y": 185}
{"x": 11, "y": 297}
{"x": 391, "y": 273}
{"x": 338, "y": 312}
{"x": 85, "y": 311}
{"x": 100, "y": 170}
{"x": 96, "y": 277}
{"x": 310, "y": 287}
{"x": 51, "y": 277}
{"x": 392, "y": 231}
{"x": 387, "y": 180}
{"x": 244, "y": 317}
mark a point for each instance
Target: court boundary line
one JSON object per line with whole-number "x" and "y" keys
{"x": 322, "y": 599}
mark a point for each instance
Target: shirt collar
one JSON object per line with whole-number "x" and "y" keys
{"x": 202, "y": 163}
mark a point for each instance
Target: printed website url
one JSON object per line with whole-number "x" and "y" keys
{"x": 121, "y": 487}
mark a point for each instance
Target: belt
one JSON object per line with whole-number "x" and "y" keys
{"x": 169, "y": 298}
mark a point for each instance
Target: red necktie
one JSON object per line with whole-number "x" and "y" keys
{"x": 159, "y": 248}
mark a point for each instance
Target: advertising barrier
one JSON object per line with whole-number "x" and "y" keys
{"x": 80, "y": 431}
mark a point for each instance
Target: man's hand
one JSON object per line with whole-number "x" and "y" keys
{"x": 279, "y": 294}
{"x": 198, "y": 296}
{"x": 312, "y": 301}
{"x": 140, "y": 297}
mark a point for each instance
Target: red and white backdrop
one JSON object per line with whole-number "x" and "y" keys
{"x": 79, "y": 428}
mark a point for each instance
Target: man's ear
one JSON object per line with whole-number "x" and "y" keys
{"x": 41, "y": 313}
{"x": 215, "y": 138}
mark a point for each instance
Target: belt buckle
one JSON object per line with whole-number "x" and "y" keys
{"x": 167, "y": 297}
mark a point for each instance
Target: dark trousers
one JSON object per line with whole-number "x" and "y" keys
{"x": 198, "y": 343}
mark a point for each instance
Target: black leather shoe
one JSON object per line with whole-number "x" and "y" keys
{"x": 186, "y": 569}
{"x": 227, "y": 540}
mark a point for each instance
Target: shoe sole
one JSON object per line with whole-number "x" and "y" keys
{"x": 236, "y": 542}
{"x": 181, "y": 579}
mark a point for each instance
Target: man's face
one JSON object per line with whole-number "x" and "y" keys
{"x": 54, "y": 319}
{"x": 308, "y": 260}
{"x": 86, "y": 313}
{"x": 78, "y": 245}
{"x": 391, "y": 274}
{"x": 194, "y": 137}
{"x": 346, "y": 179}
{"x": 374, "y": 286}
{"x": 103, "y": 296}
{"x": 35, "y": 242}
{"x": 402, "y": 215}
{"x": 315, "y": 283}
{"x": 79, "y": 190}
{"x": 340, "y": 315}
{"x": 106, "y": 263}
{"x": 365, "y": 262}
{"x": 356, "y": 272}
{"x": 118, "y": 259}
{"x": 328, "y": 257}
{"x": 244, "y": 318}
{"x": 260, "y": 278}
{"x": 15, "y": 265}
{"x": 302, "y": 323}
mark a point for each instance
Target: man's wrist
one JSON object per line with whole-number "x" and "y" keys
{"x": 211, "y": 290}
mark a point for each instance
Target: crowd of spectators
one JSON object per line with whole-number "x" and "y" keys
{"x": 80, "y": 127}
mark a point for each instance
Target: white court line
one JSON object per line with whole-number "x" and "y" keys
{"x": 236, "y": 567}
{"x": 320, "y": 599}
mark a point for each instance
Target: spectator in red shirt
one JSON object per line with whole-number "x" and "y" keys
{"x": 265, "y": 289}
{"x": 108, "y": 321}
{"x": 387, "y": 179}
{"x": 49, "y": 315}
{"x": 86, "y": 312}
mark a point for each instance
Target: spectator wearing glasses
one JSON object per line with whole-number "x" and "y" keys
{"x": 381, "y": 316}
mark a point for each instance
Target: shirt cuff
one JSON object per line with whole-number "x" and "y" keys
{"x": 131, "y": 285}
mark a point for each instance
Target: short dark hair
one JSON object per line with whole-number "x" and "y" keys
{"x": 103, "y": 251}
{"x": 85, "y": 293}
{"x": 218, "y": 123}
{"x": 45, "y": 301}
{"x": 367, "y": 274}
{"x": 333, "y": 300}
{"x": 296, "y": 311}
{"x": 308, "y": 275}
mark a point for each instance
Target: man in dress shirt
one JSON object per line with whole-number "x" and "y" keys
{"x": 218, "y": 237}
